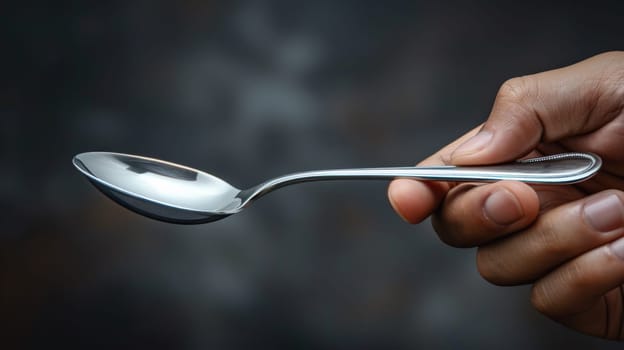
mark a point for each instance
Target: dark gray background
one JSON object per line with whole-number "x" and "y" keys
{"x": 248, "y": 90}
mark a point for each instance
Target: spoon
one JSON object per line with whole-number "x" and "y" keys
{"x": 178, "y": 194}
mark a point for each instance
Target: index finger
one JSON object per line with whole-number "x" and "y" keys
{"x": 415, "y": 200}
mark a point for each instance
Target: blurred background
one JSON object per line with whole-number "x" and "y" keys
{"x": 248, "y": 90}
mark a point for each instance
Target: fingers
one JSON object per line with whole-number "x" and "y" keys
{"x": 575, "y": 253}
{"x": 547, "y": 107}
{"x": 414, "y": 200}
{"x": 586, "y": 293}
{"x": 474, "y": 214}
{"x": 557, "y": 236}
{"x": 557, "y": 105}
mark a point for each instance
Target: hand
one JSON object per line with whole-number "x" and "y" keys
{"x": 565, "y": 240}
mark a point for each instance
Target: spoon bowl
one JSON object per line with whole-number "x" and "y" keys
{"x": 159, "y": 189}
{"x": 174, "y": 193}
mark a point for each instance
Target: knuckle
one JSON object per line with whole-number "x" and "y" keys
{"x": 489, "y": 267}
{"x": 516, "y": 99}
{"x": 460, "y": 234}
{"x": 548, "y": 242}
{"x": 457, "y": 222}
{"x": 576, "y": 276}
{"x": 514, "y": 89}
{"x": 540, "y": 299}
{"x": 548, "y": 295}
{"x": 450, "y": 233}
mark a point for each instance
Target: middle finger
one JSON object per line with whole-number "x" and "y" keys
{"x": 557, "y": 236}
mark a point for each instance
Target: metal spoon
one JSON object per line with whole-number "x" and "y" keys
{"x": 178, "y": 194}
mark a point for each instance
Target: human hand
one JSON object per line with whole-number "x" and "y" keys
{"x": 565, "y": 240}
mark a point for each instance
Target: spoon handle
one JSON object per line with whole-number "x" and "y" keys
{"x": 559, "y": 169}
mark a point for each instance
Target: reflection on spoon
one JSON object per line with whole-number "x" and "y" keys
{"x": 179, "y": 194}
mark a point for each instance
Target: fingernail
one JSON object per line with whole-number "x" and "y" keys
{"x": 604, "y": 214}
{"x": 502, "y": 208}
{"x": 474, "y": 144}
{"x": 617, "y": 248}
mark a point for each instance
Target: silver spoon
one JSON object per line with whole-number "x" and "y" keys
{"x": 178, "y": 194}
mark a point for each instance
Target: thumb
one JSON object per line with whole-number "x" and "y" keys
{"x": 547, "y": 107}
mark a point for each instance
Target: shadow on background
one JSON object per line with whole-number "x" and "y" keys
{"x": 249, "y": 90}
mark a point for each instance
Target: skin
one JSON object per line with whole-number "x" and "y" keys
{"x": 567, "y": 241}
